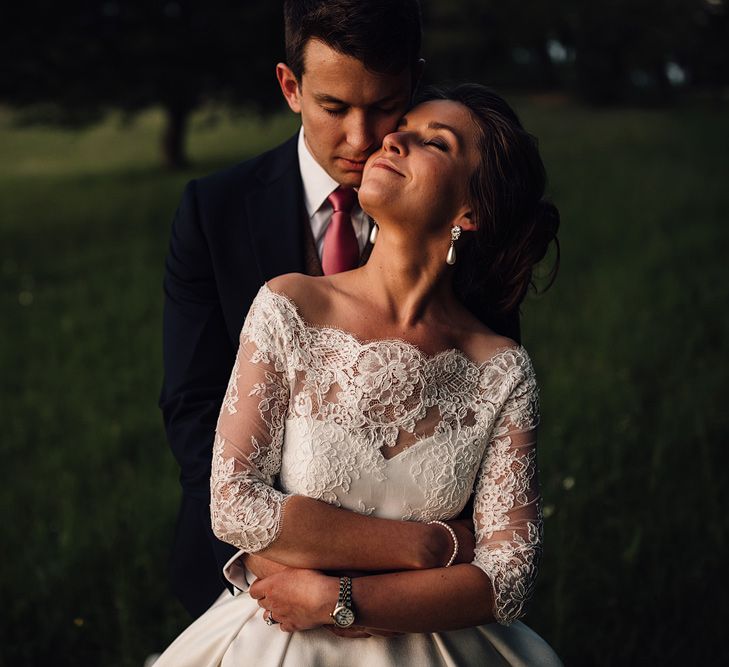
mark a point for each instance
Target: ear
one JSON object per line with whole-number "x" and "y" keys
{"x": 289, "y": 87}
{"x": 464, "y": 219}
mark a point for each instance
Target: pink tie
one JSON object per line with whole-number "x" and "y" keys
{"x": 341, "y": 249}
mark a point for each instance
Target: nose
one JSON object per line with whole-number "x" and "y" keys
{"x": 360, "y": 133}
{"x": 395, "y": 143}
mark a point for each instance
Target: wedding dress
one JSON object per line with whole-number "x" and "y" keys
{"x": 383, "y": 429}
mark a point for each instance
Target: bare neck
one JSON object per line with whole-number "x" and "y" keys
{"x": 408, "y": 279}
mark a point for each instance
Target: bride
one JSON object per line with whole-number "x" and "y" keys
{"x": 366, "y": 408}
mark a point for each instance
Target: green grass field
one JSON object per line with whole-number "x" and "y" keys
{"x": 630, "y": 346}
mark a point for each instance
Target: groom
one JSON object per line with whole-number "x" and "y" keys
{"x": 351, "y": 70}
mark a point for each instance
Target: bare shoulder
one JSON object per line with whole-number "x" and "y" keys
{"x": 290, "y": 285}
{"x": 310, "y": 294}
{"x": 480, "y": 342}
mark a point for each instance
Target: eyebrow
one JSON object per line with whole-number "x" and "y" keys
{"x": 435, "y": 125}
{"x": 330, "y": 99}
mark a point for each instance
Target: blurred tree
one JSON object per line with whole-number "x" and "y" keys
{"x": 499, "y": 43}
{"x": 607, "y": 51}
{"x": 70, "y": 62}
{"x": 705, "y": 53}
{"x": 622, "y": 47}
{"x": 74, "y": 60}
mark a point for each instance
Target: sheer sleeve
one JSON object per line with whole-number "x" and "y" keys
{"x": 507, "y": 503}
{"x": 246, "y": 508}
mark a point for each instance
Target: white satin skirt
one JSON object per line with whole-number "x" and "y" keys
{"x": 233, "y": 632}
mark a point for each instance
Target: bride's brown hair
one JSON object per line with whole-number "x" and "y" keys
{"x": 515, "y": 223}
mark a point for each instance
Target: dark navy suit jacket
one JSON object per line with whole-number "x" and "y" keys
{"x": 233, "y": 231}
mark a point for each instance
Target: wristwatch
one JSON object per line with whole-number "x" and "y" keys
{"x": 343, "y": 613}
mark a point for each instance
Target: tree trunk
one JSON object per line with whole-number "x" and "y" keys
{"x": 173, "y": 137}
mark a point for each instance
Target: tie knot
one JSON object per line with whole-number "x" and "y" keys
{"x": 342, "y": 199}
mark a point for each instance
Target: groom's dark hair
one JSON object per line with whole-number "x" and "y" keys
{"x": 385, "y": 35}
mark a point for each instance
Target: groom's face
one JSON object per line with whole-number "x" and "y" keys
{"x": 346, "y": 110}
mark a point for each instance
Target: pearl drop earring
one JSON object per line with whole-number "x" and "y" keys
{"x": 373, "y": 233}
{"x": 455, "y": 235}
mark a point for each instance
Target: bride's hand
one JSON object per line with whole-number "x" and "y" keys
{"x": 297, "y": 599}
{"x": 360, "y": 632}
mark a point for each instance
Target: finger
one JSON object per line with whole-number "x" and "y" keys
{"x": 384, "y": 633}
{"x": 356, "y": 631}
{"x": 347, "y": 632}
{"x": 256, "y": 590}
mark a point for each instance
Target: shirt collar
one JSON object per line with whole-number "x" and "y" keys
{"x": 318, "y": 185}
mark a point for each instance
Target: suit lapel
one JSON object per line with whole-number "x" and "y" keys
{"x": 274, "y": 211}
{"x": 279, "y": 228}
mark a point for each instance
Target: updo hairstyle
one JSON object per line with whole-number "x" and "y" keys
{"x": 515, "y": 223}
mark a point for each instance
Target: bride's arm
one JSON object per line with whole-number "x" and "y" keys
{"x": 499, "y": 582}
{"x": 250, "y": 513}
{"x": 261, "y": 567}
{"x": 432, "y": 600}
{"x": 301, "y": 532}
{"x": 494, "y": 587}
{"x": 314, "y": 534}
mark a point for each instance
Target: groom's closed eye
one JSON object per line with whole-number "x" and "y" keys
{"x": 342, "y": 110}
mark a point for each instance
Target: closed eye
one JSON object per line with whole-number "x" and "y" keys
{"x": 438, "y": 143}
{"x": 334, "y": 112}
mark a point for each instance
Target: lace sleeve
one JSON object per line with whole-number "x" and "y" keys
{"x": 245, "y": 507}
{"x": 507, "y": 504}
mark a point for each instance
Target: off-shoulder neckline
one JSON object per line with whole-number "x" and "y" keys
{"x": 429, "y": 358}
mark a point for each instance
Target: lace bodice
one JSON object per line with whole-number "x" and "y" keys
{"x": 379, "y": 428}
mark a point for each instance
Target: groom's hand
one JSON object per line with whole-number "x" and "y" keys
{"x": 262, "y": 567}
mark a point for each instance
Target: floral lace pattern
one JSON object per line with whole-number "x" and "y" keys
{"x": 379, "y": 428}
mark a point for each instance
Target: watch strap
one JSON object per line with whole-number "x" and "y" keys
{"x": 345, "y": 592}
{"x": 344, "y": 604}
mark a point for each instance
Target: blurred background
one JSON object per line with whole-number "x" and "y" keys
{"x": 108, "y": 108}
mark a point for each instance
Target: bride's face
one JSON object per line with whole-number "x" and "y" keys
{"x": 420, "y": 175}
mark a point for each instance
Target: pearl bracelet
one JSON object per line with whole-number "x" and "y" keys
{"x": 455, "y": 541}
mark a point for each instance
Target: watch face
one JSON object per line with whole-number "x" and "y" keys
{"x": 344, "y": 617}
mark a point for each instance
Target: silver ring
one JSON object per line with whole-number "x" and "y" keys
{"x": 269, "y": 620}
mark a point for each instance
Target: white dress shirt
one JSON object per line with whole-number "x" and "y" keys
{"x": 318, "y": 185}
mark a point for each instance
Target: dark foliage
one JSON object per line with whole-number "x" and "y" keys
{"x": 71, "y": 61}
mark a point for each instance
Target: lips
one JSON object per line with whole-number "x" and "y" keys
{"x": 386, "y": 164}
{"x": 353, "y": 164}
